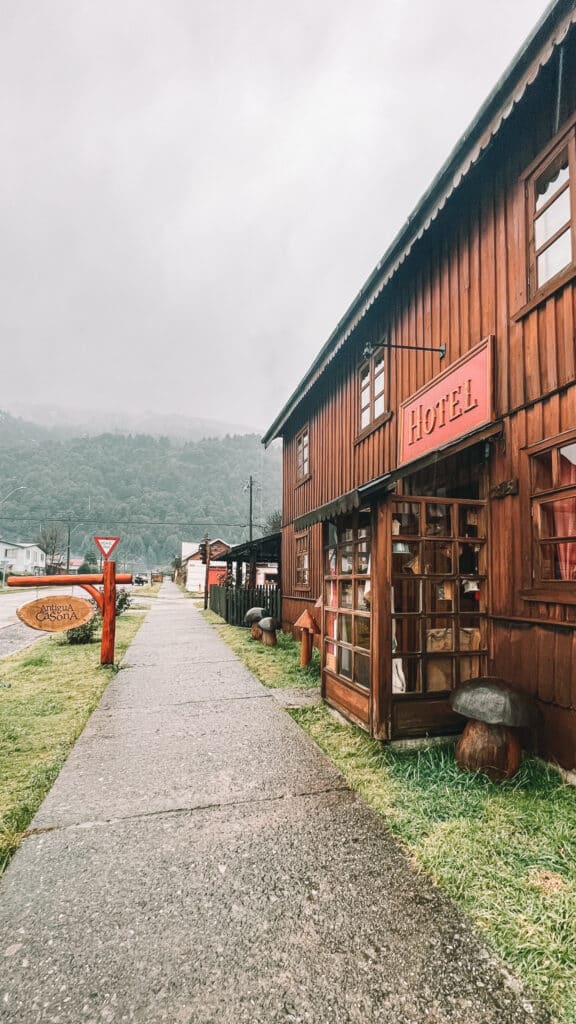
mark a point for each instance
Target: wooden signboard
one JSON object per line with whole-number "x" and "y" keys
{"x": 452, "y": 405}
{"x": 56, "y": 613}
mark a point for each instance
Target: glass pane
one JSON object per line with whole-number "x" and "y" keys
{"x": 558, "y": 561}
{"x": 553, "y": 178}
{"x": 405, "y": 518}
{"x": 379, "y": 384}
{"x": 379, "y": 364}
{"x": 331, "y": 594}
{"x": 346, "y": 560}
{"x": 330, "y": 566}
{"x": 406, "y": 594}
{"x": 471, "y": 521}
{"x": 406, "y": 634}
{"x": 406, "y": 675}
{"x": 365, "y": 398}
{"x": 362, "y": 670}
{"x": 345, "y": 628}
{"x": 345, "y": 662}
{"x": 362, "y": 631}
{"x": 468, "y": 559}
{"x": 438, "y": 674}
{"x": 345, "y": 535}
{"x": 438, "y": 520}
{"x": 379, "y": 406}
{"x": 363, "y": 557}
{"x": 365, "y": 377}
{"x": 330, "y": 624}
{"x": 567, "y": 466}
{"x": 439, "y": 634}
{"x": 440, "y": 595}
{"x": 332, "y": 535}
{"x": 438, "y": 559}
{"x": 472, "y": 595}
{"x": 406, "y": 557}
{"x": 471, "y": 667}
{"x": 363, "y": 596}
{"x": 553, "y": 218}
{"x": 554, "y": 258}
{"x": 471, "y": 634}
{"x": 346, "y": 595}
{"x": 365, "y": 418}
{"x": 541, "y": 466}
{"x": 558, "y": 518}
{"x": 330, "y": 657}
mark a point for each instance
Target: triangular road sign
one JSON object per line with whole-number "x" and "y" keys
{"x": 106, "y": 545}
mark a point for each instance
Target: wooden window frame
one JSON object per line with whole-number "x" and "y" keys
{"x": 356, "y": 547}
{"x": 374, "y": 420}
{"x": 537, "y": 588}
{"x": 302, "y": 561}
{"x": 302, "y": 443}
{"x": 564, "y": 141}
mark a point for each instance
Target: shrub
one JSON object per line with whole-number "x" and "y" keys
{"x": 123, "y": 601}
{"x": 83, "y": 634}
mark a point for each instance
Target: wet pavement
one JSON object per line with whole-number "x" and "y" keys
{"x": 200, "y": 860}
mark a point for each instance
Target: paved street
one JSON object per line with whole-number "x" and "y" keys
{"x": 200, "y": 860}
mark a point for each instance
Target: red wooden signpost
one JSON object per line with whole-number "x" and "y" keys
{"x": 105, "y": 599}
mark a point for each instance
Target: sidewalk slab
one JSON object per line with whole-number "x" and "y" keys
{"x": 130, "y": 762}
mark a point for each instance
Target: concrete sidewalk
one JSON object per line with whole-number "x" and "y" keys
{"x": 200, "y": 860}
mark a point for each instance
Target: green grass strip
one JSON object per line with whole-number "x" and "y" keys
{"x": 277, "y": 667}
{"x": 47, "y": 693}
{"x": 505, "y": 852}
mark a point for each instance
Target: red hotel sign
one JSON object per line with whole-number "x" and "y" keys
{"x": 451, "y": 406}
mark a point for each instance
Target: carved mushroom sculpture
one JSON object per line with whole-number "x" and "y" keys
{"x": 252, "y": 619}
{"x": 269, "y": 625}
{"x": 488, "y": 743}
{"x": 308, "y": 626}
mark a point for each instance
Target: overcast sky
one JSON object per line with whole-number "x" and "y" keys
{"x": 191, "y": 192}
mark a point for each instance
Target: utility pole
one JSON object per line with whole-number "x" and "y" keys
{"x": 206, "y": 581}
{"x": 251, "y": 487}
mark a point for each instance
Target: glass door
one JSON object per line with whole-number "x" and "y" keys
{"x": 438, "y": 601}
{"x": 347, "y": 620}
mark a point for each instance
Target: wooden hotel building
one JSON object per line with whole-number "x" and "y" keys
{"x": 429, "y": 494}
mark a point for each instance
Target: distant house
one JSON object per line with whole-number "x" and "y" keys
{"x": 22, "y": 559}
{"x": 195, "y": 569}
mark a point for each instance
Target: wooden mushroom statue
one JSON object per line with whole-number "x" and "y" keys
{"x": 252, "y": 619}
{"x": 308, "y": 626}
{"x": 268, "y": 626}
{"x": 488, "y": 743}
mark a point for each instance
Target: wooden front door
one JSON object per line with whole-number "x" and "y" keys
{"x": 438, "y": 608}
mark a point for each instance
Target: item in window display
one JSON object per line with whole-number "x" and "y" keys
{"x": 398, "y": 677}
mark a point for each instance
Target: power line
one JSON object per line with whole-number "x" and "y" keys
{"x": 81, "y": 521}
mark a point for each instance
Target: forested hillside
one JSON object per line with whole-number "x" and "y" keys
{"x": 152, "y": 492}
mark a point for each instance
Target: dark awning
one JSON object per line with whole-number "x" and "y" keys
{"x": 263, "y": 549}
{"x": 338, "y": 507}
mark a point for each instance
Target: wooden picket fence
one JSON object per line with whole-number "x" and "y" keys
{"x": 232, "y": 603}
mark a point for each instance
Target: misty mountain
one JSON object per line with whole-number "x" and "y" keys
{"x": 152, "y": 492}
{"x": 64, "y": 422}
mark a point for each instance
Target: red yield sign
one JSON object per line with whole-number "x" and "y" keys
{"x": 106, "y": 545}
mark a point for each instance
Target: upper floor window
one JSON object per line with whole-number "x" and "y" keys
{"x": 372, "y": 403}
{"x": 551, "y": 192}
{"x": 553, "y": 486}
{"x": 303, "y": 454}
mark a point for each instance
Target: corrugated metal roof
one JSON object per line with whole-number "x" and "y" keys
{"x": 536, "y": 52}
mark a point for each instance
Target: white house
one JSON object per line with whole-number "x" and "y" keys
{"x": 22, "y": 559}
